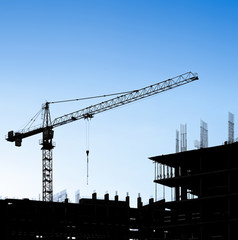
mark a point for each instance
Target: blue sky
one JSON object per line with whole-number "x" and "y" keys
{"x": 56, "y": 50}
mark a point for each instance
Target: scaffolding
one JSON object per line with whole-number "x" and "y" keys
{"x": 230, "y": 128}
{"x": 203, "y": 134}
{"x": 183, "y": 139}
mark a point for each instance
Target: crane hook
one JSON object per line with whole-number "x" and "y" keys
{"x": 87, "y": 153}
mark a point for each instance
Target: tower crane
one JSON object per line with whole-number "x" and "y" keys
{"x": 86, "y": 113}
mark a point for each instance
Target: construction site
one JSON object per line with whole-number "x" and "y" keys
{"x": 202, "y": 181}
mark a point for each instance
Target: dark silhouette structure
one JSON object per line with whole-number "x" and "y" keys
{"x": 205, "y": 182}
{"x": 205, "y": 207}
{"x": 89, "y": 219}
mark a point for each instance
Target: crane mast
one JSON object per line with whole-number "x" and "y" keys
{"x": 47, "y": 127}
{"x": 47, "y": 158}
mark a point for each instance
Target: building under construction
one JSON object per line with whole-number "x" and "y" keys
{"x": 205, "y": 205}
{"x": 206, "y": 193}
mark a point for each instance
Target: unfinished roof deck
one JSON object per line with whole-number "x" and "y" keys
{"x": 212, "y": 157}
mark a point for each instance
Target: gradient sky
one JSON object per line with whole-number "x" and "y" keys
{"x": 56, "y": 50}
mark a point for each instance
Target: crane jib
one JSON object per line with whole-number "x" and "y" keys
{"x": 125, "y": 99}
{"x": 90, "y": 111}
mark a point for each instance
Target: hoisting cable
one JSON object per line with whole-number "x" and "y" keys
{"x": 87, "y": 146}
